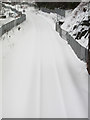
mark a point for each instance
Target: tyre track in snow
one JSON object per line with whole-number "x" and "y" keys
{"x": 43, "y": 58}
{"x": 72, "y": 81}
{"x": 75, "y": 80}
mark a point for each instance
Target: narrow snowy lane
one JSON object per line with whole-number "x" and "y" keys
{"x": 42, "y": 77}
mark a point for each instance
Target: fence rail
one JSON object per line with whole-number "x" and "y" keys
{"x": 80, "y": 51}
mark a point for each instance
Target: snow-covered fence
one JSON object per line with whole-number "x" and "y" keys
{"x": 60, "y": 11}
{"x": 56, "y": 10}
{"x": 46, "y": 10}
{"x": 80, "y": 51}
{"x": 8, "y": 26}
{"x": 57, "y": 27}
{"x": 20, "y": 20}
{"x": 63, "y": 33}
{"x": 60, "y": 31}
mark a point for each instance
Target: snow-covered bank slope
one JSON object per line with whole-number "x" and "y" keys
{"x": 8, "y": 18}
{"x": 77, "y": 24}
{"x": 42, "y": 77}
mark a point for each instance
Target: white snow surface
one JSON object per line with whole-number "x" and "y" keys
{"x": 42, "y": 76}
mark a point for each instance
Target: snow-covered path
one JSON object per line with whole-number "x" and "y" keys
{"x": 42, "y": 77}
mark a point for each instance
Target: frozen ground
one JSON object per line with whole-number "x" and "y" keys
{"x": 42, "y": 76}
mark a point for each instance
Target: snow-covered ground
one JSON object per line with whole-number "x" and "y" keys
{"x": 77, "y": 23}
{"x": 42, "y": 76}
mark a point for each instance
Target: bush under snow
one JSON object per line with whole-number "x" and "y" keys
{"x": 77, "y": 24}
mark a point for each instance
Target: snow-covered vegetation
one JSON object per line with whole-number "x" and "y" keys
{"x": 5, "y": 16}
{"x": 77, "y": 24}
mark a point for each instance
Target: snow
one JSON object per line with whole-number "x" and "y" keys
{"x": 42, "y": 76}
{"x": 17, "y": 7}
{"x": 9, "y": 5}
{"x": 8, "y": 18}
{"x": 4, "y": 21}
{"x": 76, "y": 17}
{"x": 68, "y": 13}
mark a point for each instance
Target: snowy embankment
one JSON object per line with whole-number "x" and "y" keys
{"x": 18, "y": 7}
{"x": 42, "y": 76}
{"x": 77, "y": 24}
{"x": 8, "y": 18}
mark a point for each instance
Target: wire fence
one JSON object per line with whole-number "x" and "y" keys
{"x": 60, "y": 12}
{"x": 80, "y": 51}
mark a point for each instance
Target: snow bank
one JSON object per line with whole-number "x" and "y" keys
{"x": 7, "y": 19}
{"x": 75, "y": 23}
{"x": 18, "y": 7}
